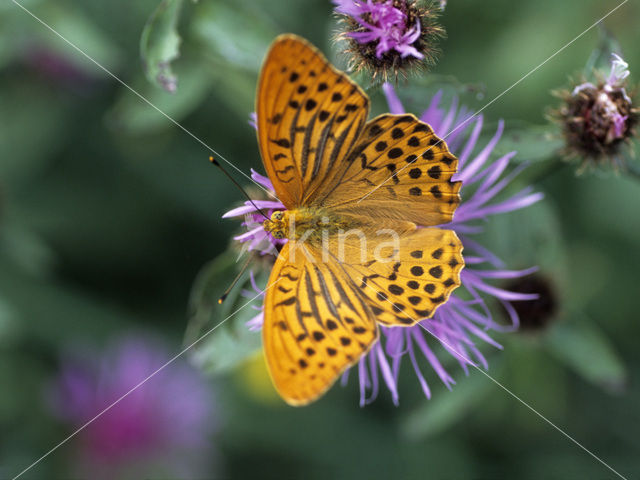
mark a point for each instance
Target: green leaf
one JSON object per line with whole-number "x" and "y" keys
{"x": 234, "y": 34}
{"x": 233, "y": 59}
{"x": 7, "y": 320}
{"x": 138, "y": 117}
{"x": 235, "y": 87}
{"x": 84, "y": 32}
{"x": 227, "y": 341}
{"x": 581, "y": 346}
{"x": 48, "y": 313}
{"x": 447, "y": 408}
{"x": 26, "y": 152}
{"x": 160, "y": 45}
{"x": 27, "y": 250}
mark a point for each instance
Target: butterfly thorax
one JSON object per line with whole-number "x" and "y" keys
{"x": 310, "y": 223}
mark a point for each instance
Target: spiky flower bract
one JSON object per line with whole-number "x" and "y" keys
{"x": 387, "y": 38}
{"x": 598, "y": 120}
{"x": 465, "y": 319}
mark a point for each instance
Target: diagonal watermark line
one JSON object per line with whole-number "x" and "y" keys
{"x": 138, "y": 94}
{"x": 243, "y": 306}
{"x": 139, "y": 384}
{"x": 473, "y": 364}
{"x": 466, "y": 121}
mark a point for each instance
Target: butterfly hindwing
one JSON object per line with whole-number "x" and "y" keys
{"x": 405, "y": 280}
{"x": 398, "y": 169}
{"x": 316, "y": 324}
{"x": 309, "y": 117}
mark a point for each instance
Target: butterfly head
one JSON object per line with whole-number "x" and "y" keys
{"x": 278, "y": 225}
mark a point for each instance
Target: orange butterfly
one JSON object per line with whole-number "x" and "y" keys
{"x": 343, "y": 181}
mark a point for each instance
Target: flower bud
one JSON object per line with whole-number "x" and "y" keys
{"x": 597, "y": 120}
{"x": 389, "y": 37}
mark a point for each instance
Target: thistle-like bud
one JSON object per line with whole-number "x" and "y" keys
{"x": 597, "y": 120}
{"x": 389, "y": 37}
{"x": 536, "y": 314}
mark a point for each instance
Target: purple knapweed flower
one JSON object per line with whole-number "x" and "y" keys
{"x": 386, "y": 26}
{"x": 597, "y": 120}
{"x": 389, "y": 35}
{"x": 460, "y": 323}
{"x": 162, "y": 428}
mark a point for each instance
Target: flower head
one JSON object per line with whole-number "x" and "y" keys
{"x": 161, "y": 426}
{"x": 389, "y": 36}
{"x": 535, "y": 314}
{"x": 458, "y": 324}
{"x": 598, "y": 119}
{"x": 465, "y": 319}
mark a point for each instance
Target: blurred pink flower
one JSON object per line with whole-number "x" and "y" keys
{"x": 163, "y": 428}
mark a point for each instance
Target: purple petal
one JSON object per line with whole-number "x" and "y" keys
{"x": 418, "y": 336}
{"x": 619, "y": 70}
{"x": 515, "y": 203}
{"x": 448, "y": 120}
{"x": 249, "y": 208}
{"x": 387, "y": 375}
{"x": 344, "y": 380}
{"x": 416, "y": 368}
{"x": 408, "y": 50}
{"x": 471, "y": 142}
{"x": 248, "y": 235}
{"x": 373, "y": 367}
{"x": 395, "y": 105}
{"x": 505, "y": 294}
{"x": 433, "y": 115}
{"x": 493, "y": 173}
{"x": 513, "y": 315}
{"x": 505, "y": 273}
{"x": 464, "y": 117}
{"x": 486, "y": 253}
{"x": 261, "y": 179}
{"x": 364, "y": 381}
{"x": 482, "y": 157}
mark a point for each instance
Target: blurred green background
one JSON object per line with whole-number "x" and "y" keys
{"x": 108, "y": 211}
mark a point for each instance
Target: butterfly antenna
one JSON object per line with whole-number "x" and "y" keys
{"x": 235, "y": 280}
{"x": 217, "y": 164}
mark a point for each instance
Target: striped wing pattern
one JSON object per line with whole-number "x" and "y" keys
{"x": 309, "y": 117}
{"x": 316, "y": 325}
{"x": 397, "y": 162}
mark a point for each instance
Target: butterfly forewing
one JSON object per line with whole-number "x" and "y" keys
{"x": 316, "y": 324}
{"x": 399, "y": 169}
{"x": 309, "y": 117}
